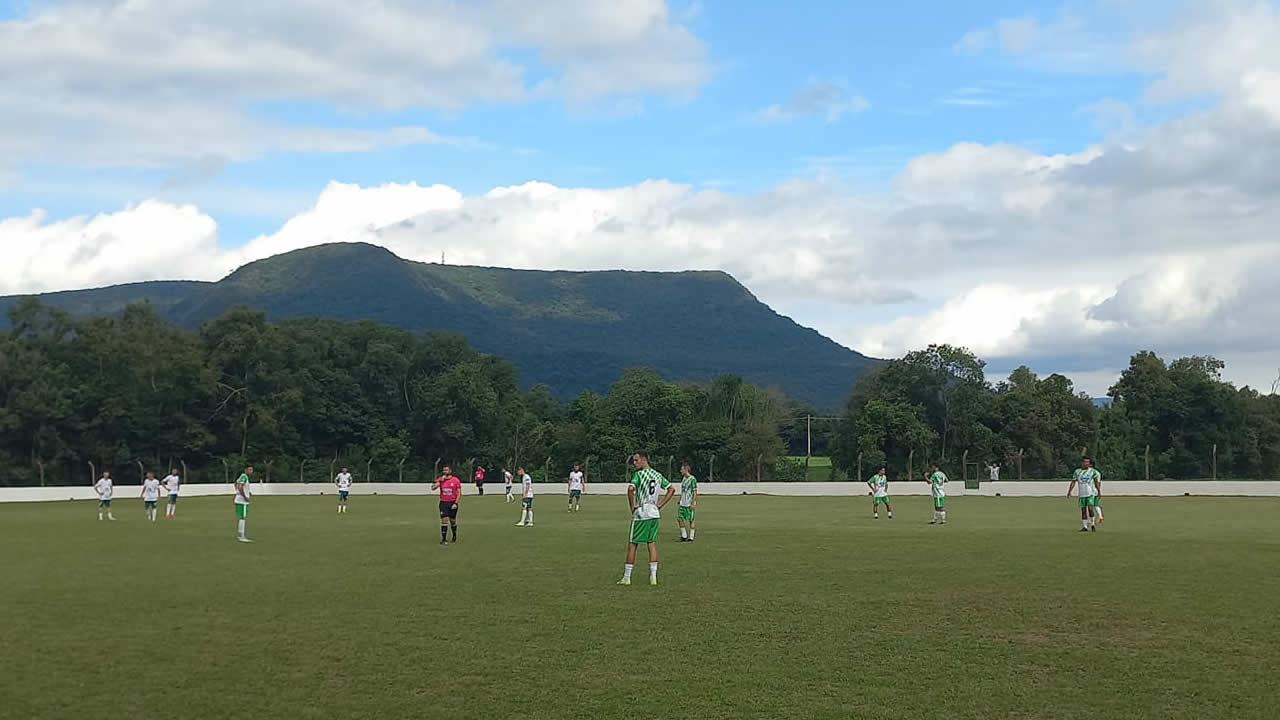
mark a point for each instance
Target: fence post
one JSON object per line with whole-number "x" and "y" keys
{"x": 368, "y": 471}
{"x": 964, "y": 466}
{"x": 226, "y": 471}
{"x": 400, "y": 467}
{"x": 1147, "y": 462}
{"x": 93, "y": 473}
{"x": 302, "y": 467}
{"x": 1214, "y": 468}
{"x": 332, "y": 464}
{"x": 1020, "y": 453}
{"x": 184, "y": 471}
{"x": 40, "y": 466}
{"x": 142, "y": 472}
{"x": 268, "y": 466}
{"x": 911, "y": 465}
{"x": 546, "y": 470}
{"x": 860, "y": 476}
{"x": 670, "y": 459}
{"x": 435, "y": 472}
{"x": 711, "y": 472}
{"x": 808, "y": 444}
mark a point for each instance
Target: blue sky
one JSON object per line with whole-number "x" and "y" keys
{"x": 890, "y": 173}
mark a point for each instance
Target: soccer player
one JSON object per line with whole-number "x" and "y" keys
{"x": 938, "y": 486}
{"x": 1097, "y": 508}
{"x": 1086, "y": 478}
{"x": 646, "y": 509}
{"x": 450, "y": 488}
{"x": 994, "y": 470}
{"x": 507, "y": 478}
{"x": 171, "y": 484}
{"x": 150, "y": 495}
{"x": 688, "y": 504}
{"x": 576, "y": 481}
{"x": 879, "y": 484}
{"x": 343, "y": 481}
{"x": 526, "y": 499}
{"x": 104, "y": 487}
{"x": 243, "y": 495}
{"x": 479, "y": 477}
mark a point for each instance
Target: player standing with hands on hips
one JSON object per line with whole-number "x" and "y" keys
{"x": 450, "y": 488}
{"x": 171, "y": 483}
{"x": 646, "y": 507}
{"x": 104, "y": 488}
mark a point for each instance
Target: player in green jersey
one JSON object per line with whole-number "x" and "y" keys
{"x": 243, "y": 495}
{"x": 938, "y": 487}
{"x": 1090, "y": 483}
{"x": 688, "y": 504}
{"x": 646, "y": 506}
{"x": 879, "y": 484}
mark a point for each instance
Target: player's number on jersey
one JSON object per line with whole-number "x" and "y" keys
{"x": 653, "y": 488}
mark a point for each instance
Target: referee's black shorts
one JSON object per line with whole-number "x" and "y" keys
{"x": 448, "y": 510}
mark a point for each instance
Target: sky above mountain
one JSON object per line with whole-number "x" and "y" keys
{"x": 1055, "y": 184}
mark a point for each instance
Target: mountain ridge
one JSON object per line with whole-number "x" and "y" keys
{"x": 572, "y": 330}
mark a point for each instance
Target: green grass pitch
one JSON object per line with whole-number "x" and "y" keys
{"x": 783, "y": 608}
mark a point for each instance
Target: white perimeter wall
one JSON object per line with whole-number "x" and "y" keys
{"x": 1112, "y": 488}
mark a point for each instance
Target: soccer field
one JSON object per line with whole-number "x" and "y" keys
{"x": 783, "y": 608}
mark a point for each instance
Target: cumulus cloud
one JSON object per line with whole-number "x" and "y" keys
{"x": 827, "y": 100}
{"x": 144, "y": 82}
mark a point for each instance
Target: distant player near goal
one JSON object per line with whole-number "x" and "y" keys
{"x": 506, "y": 478}
{"x": 343, "y": 481}
{"x": 171, "y": 485}
{"x": 646, "y": 509}
{"x": 1088, "y": 480}
{"x": 150, "y": 495}
{"x": 688, "y": 504}
{"x": 938, "y": 487}
{"x": 576, "y": 482}
{"x": 479, "y": 478}
{"x": 879, "y": 484}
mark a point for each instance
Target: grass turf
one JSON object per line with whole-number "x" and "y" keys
{"x": 784, "y": 608}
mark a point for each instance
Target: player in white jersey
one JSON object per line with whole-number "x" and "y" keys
{"x": 526, "y": 499}
{"x": 150, "y": 495}
{"x": 1089, "y": 481}
{"x": 507, "y": 478}
{"x": 879, "y": 485}
{"x": 104, "y": 488}
{"x": 171, "y": 485}
{"x": 576, "y": 481}
{"x": 1097, "y": 509}
{"x": 343, "y": 481}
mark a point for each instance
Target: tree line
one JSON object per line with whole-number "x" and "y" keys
{"x": 1175, "y": 420}
{"x": 298, "y": 396}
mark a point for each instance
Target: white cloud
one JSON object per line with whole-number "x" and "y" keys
{"x": 145, "y": 82}
{"x": 829, "y": 101}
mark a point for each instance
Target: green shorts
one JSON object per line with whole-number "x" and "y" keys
{"x": 575, "y": 494}
{"x": 685, "y": 512}
{"x": 1090, "y": 501}
{"x": 147, "y": 504}
{"x": 881, "y": 500}
{"x": 939, "y": 503}
{"x": 527, "y": 502}
{"x": 242, "y": 510}
{"x": 342, "y": 494}
{"x": 104, "y": 503}
{"x": 644, "y": 531}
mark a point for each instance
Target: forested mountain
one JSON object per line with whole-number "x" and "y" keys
{"x": 568, "y": 330}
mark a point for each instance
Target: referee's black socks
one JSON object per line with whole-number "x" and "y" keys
{"x": 444, "y": 533}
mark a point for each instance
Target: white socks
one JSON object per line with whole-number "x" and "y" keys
{"x": 943, "y": 515}
{"x": 684, "y": 533}
{"x": 653, "y": 571}
{"x": 99, "y": 516}
{"x": 626, "y": 572}
{"x": 242, "y": 528}
{"x": 691, "y": 532}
